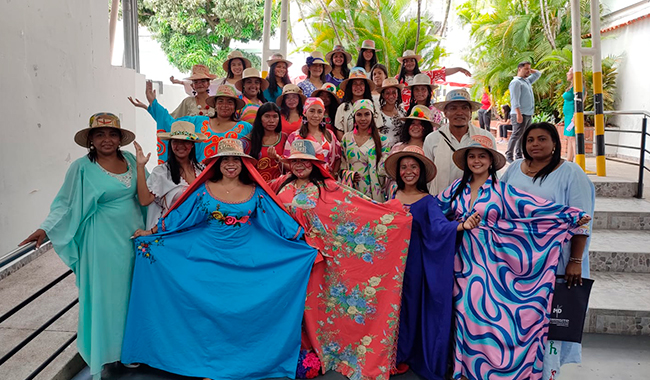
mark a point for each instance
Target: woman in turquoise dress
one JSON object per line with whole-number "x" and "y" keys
{"x": 219, "y": 287}
{"x": 568, "y": 109}
{"x": 90, "y": 224}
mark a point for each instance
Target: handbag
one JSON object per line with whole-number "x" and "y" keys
{"x": 569, "y": 309}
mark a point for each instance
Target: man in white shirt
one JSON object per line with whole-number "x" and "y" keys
{"x": 441, "y": 144}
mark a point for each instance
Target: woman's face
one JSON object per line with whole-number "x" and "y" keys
{"x": 105, "y": 140}
{"x": 390, "y": 95}
{"x": 225, "y": 107}
{"x": 327, "y": 100}
{"x": 539, "y": 144}
{"x": 252, "y": 87}
{"x": 420, "y": 94}
{"x": 315, "y": 115}
{"x": 280, "y": 70}
{"x": 316, "y": 70}
{"x": 181, "y": 148}
{"x": 231, "y": 167}
{"x": 479, "y": 161}
{"x": 237, "y": 66}
{"x": 338, "y": 59}
{"x": 416, "y": 130}
{"x": 270, "y": 120}
{"x": 363, "y": 118}
{"x": 569, "y": 75}
{"x": 409, "y": 171}
{"x": 409, "y": 64}
{"x": 358, "y": 87}
{"x": 378, "y": 77}
{"x": 301, "y": 168}
{"x": 368, "y": 54}
{"x": 200, "y": 85}
{"x": 291, "y": 101}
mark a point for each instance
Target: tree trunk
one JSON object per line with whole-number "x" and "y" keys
{"x": 338, "y": 37}
{"x": 548, "y": 33}
{"x": 351, "y": 26}
{"x": 383, "y": 36}
{"x": 417, "y": 33}
{"x": 302, "y": 17}
{"x": 444, "y": 23}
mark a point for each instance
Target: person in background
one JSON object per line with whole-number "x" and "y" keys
{"x": 251, "y": 86}
{"x": 391, "y": 111}
{"x": 424, "y": 95}
{"x": 544, "y": 174}
{"x": 234, "y": 67}
{"x": 568, "y": 109}
{"x": 377, "y": 74}
{"x": 278, "y": 77}
{"x": 339, "y": 60}
{"x": 358, "y": 86}
{"x": 327, "y": 93}
{"x": 267, "y": 135}
{"x": 316, "y": 70}
{"x": 367, "y": 55}
{"x": 522, "y": 102}
{"x": 485, "y": 112}
{"x": 503, "y": 125}
{"x": 90, "y": 224}
{"x": 291, "y": 104}
{"x": 195, "y": 104}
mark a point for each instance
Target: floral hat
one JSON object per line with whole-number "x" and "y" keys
{"x": 290, "y": 89}
{"x": 368, "y": 45}
{"x": 103, "y": 120}
{"x": 225, "y": 91}
{"x": 409, "y": 54}
{"x": 235, "y": 54}
{"x": 182, "y": 130}
{"x": 302, "y": 149}
{"x": 316, "y": 58}
{"x": 480, "y": 142}
{"x": 388, "y": 83}
{"x": 419, "y": 112}
{"x": 277, "y": 57}
{"x": 410, "y": 151}
{"x": 328, "y": 88}
{"x": 310, "y": 102}
{"x": 363, "y": 104}
{"x": 357, "y": 73}
{"x": 460, "y": 95}
{"x": 422, "y": 80}
{"x": 201, "y": 72}
{"x": 251, "y": 73}
{"x": 229, "y": 148}
{"x": 338, "y": 49}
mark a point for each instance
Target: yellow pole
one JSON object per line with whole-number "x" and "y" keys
{"x": 599, "y": 119}
{"x": 579, "y": 116}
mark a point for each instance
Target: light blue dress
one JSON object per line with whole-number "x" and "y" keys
{"x": 220, "y": 291}
{"x": 568, "y": 185}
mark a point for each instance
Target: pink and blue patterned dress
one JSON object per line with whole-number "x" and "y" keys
{"x": 504, "y": 275}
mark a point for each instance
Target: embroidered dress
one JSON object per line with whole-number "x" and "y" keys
{"x": 392, "y": 127}
{"x": 248, "y": 113}
{"x": 307, "y": 87}
{"x": 288, "y": 127}
{"x": 217, "y": 288}
{"x": 329, "y": 78}
{"x": 406, "y": 92}
{"x": 504, "y": 274}
{"x": 331, "y": 149}
{"x": 353, "y": 297}
{"x": 90, "y": 222}
{"x": 569, "y": 185}
{"x": 363, "y": 160}
{"x": 202, "y": 123}
{"x": 425, "y": 316}
{"x": 268, "y": 168}
{"x": 188, "y": 107}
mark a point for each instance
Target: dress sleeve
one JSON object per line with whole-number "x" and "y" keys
{"x": 191, "y": 212}
{"x": 435, "y": 75}
{"x": 287, "y": 145}
{"x": 339, "y": 120}
{"x": 160, "y": 114}
{"x": 271, "y": 217}
{"x": 182, "y": 109}
{"x": 385, "y": 150}
{"x": 581, "y": 194}
{"x": 444, "y": 198}
{"x": 443, "y": 232}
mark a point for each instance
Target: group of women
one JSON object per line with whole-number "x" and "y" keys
{"x": 269, "y": 252}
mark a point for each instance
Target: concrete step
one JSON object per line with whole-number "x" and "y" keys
{"x": 620, "y": 251}
{"x": 619, "y": 304}
{"x": 614, "y": 187}
{"x": 621, "y": 214}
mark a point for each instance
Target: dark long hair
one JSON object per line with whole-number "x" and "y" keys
{"x": 257, "y": 134}
{"x": 230, "y": 73}
{"x": 347, "y": 97}
{"x": 92, "y": 151}
{"x": 402, "y": 71}
{"x": 427, "y": 101}
{"x": 405, "y": 136}
{"x": 286, "y": 111}
{"x": 506, "y": 112}
{"x": 260, "y": 93}
{"x": 467, "y": 174}
{"x": 376, "y": 137}
{"x": 303, "y": 131}
{"x": 175, "y": 166}
{"x": 361, "y": 62}
{"x": 421, "y": 184}
{"x": 555, "y": 157}
{"x": 316, "y": 177}
{"x": 244, "y": 176}
{"x": 273, "y": 81}
{"x": 345, "y": 70}
{"x": 333, "y": 107}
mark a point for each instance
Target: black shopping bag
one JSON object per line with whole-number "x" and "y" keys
{"x": 569, "y": 311}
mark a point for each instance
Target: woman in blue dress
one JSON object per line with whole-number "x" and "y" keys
{"x": 544, "y": 174}
{"x": 219, "y": 284}
{"x": 568, "y": 109}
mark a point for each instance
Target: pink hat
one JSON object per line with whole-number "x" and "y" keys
{"x": 310, "y": 102}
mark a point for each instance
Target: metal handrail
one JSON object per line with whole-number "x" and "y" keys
{"x": 21, "y": 251}
{"x": 617, "y": 112}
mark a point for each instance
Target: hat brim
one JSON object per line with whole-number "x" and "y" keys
{"x": 274, "y": 61}
{"x": 200, "y": 137}
{"x": 247, "y": 63}
{"x": 304, "y": 156}
{"x": 367, "y": 48}
{"x": 391, "y": 164}
{"x": 263, "y": 85}
{"x": 417, "y": 118}
{"x": 417, "y": 57}
{"x": 81, "y": 137}
{"x": 498, "y": 159}
{"x": 317, "y": 92}
{"x": 344, "y": 84}
{"x": 231, "y": 154}
{"x": 212, "y": 101}
{"x": 329, "y": 55}
{"x": 474, "y": 105}
{"x": 326, "y": 68}
{"x": 202, "y": 76}
{"x": 431, "y": 86}
{"x": 382, "y": 88}
{"x": 279, "y": 99}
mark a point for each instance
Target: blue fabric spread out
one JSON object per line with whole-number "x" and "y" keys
{"x": 221, "y": 292}
{"x": 425, "y": 317}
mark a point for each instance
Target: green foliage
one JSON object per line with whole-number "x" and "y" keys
{"x": 200, "y": 31}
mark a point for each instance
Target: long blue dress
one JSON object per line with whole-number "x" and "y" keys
{"x": 221, "y": 291}
{"x": 425, "y": 317}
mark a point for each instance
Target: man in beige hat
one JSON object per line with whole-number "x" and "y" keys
{"x": 441, "y": 144}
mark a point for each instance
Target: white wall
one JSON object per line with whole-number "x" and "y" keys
{"x": 55, "y": 72}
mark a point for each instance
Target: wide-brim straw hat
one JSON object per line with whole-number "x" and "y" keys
{"x": 357, "y": 73}
{"x": 229, "y": 148}
{"x": 201, "y": 72}
{"x": 422, "y": 80}
{"x": 410, "y": 151}
{"x": 316, "y": 58}
{"x": 277, "y": 57}
{"x": 338, "y": 49}
{"x": 103, "y": 120}
{"x": 235, "y": 54}
{"x": 290, "y": 89}
{"x": 480, "y": 142}
{"x": 182, "y": 130}
{"x": 251, "y": 72}
{"x": 302, "y": 149}
{"x": 418, "y": 112}
{"x": 368, "y": 45}
{"x": 225, "y": 91}
{"x": 328, "y": 88}
{"x": 409, "y": 54}
{"x": 388, "y": 83}
{"x": 458, "y": 96}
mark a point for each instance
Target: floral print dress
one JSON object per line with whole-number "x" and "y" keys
{"x": 331, "y": 149}
{"x": 363, "y": 160}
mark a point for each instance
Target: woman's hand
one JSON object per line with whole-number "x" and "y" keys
{"x": 38, "y": 236}
{"x": 175, "y": 81}
{"x": 150, "y": 92}
{"x": 573, "y": 274}
{"x": 140, "y": 232}
{"x": 584, "y": 220}
{"x": 140, "y": 158}
{"x": 356, "y": 178}
{"x": 470, "y": 223}
{"x": 272, "y": 153}
{"x": 136, "y": 102}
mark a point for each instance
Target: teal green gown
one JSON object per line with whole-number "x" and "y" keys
{"x": 90, "y": 224}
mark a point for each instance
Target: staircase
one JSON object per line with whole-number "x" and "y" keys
{"x": 619, "y": 256}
